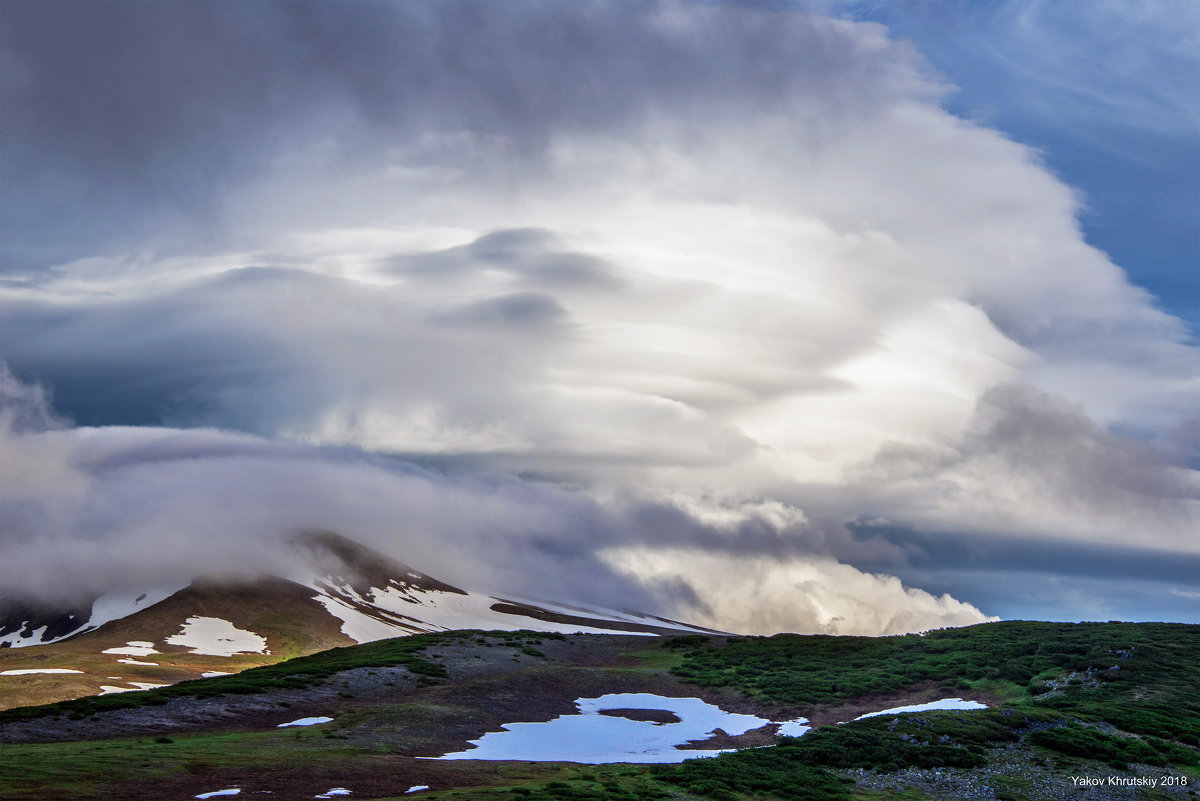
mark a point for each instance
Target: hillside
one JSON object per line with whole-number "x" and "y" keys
{"x": 1114, "y": 703}
{"x": 342, "y": 594}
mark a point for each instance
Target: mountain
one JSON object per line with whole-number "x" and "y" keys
{"x": 344, "y": 594}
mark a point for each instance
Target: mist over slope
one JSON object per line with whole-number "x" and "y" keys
{"x": 106, "y": 510}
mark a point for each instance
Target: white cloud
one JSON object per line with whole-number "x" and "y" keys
{"x": 742, "y": 594}
{"x": 117, "y": 508}
{"x": 769, "y": 270}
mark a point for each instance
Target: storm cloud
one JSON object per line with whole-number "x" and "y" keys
{"x": 683, "y": 295}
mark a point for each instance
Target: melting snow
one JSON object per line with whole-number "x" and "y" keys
{"x": 209, "y": 674}
{"x": 135, "y": 662}
{"x": 333, "y": 792}
{"x": 215, "y": 793}
{"x": 112, "y": 606}
{"x": 608, "y": 614}
{"x": 411, "y": 609}
{"x": 359, "y": 627}
{"x": 115, "y": 606}
{"x": 213, "y": 636}
{"x": 592, "y": 738}
{"x": 945, "y": 703}
{"x": 106, "y": 689}
{"x": 794, "y": 728}
{"x": 27, "y": 671}
{"x": 133, "y": 648}
{"x": 305, "y": 722}
{"x": 15, "y": 640}
{"x": 416, "y": 788}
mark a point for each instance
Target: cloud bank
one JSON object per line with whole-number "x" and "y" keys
{"x": 94, "y": 510}
{"x": 604, "y": 266}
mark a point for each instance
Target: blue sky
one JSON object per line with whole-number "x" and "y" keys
{"x": 1108, "y": 92}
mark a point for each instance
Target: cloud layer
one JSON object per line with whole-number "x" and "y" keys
{"x": 94, "y": 510}
{"x": 672, "y": 257}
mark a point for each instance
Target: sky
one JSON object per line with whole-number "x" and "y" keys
{"x": 849, "y": 317}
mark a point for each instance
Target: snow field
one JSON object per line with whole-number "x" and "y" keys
{"x": 304, "y": 722}
{"x": 944, "y": 703}
{"x": 592, "y": 738}
{"x": 132, "y": 648}
{"x": 212, "y": 636}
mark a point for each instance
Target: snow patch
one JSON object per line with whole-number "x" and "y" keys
{"x": 446, "y": 611}
{"x": 14, "y": 639}
{"x": 212, "y": 636}
{"x": 215, "y": 793}
{"x": 116, "y": 605}
{"x": 945, "y": 703}
{"x": 28, "y": 671}
{"x": 592, "y": 738}
{"x": 304, "y": 722}
{"x": 133, "y": 648}
{"x": 407, "y": 610}
{"x": 211, "y": 673}
{"x": 106, "y": 689}
{"x": 106, "y": 608}
{"x": 358, "y": 626}
{"x": 136, "y": 662}
{"x": 416, "y": 788}
{"x": 334, "y": 792}
{"x": 794, "y": 728}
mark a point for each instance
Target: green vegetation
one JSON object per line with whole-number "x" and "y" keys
{"x": 83, "y": 769}
{"x": 800, "y": 768}
{"x": 935, "y": 740}
{"x": 776, "y": 772}
{"x": 1059, "y": 679}
{"x": 1089, "y": 743}
{"x": 1067, "y": 711}
{"x": 585, "y": 791}
{"x": 1139, "y": 677}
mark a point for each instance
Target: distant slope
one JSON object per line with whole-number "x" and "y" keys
{"x": 345, "y": 594}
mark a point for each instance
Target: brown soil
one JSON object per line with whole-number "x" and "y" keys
{"x": 647, "y": 715}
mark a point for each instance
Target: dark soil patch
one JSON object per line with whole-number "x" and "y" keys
{"x": 650, "y": 715}
{"x": 763, "y": 735}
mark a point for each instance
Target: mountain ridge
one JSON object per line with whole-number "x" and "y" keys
{"x": 346, "y": 594}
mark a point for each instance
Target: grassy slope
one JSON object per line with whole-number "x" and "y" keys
{"x": 283, "y": 612}
{"x": 1063, "y": 708}
{"x": 1066, "y": 667}
{"x": 1073, "y": 692}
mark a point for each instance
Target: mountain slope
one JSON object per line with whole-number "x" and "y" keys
{"x": 344, "y": 594}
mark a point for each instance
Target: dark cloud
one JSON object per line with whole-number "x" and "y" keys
{"x": 518, "y": 310}
{"x": 929, "y": 552}
{"x": 125, "y": 118}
